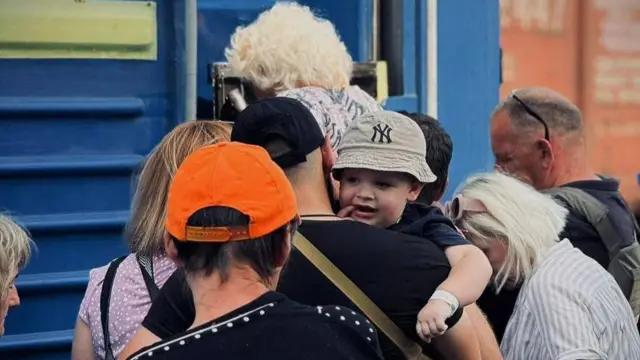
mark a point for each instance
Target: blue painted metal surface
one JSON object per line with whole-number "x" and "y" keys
{"x": 468, "y": 78}
{"x": 72, "y": 132}
{"x": 53, "y": 345}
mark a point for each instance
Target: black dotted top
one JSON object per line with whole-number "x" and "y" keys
{"x": 274, "y": 327}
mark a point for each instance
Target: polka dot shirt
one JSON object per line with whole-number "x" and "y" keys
{"x": 129, "y": 301}
{"x": 274, "y": 327}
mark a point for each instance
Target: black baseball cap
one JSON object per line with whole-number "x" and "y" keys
{"x": 279, "y": 119}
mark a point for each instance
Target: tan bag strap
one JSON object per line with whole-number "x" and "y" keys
{"x": 410, "y": 348}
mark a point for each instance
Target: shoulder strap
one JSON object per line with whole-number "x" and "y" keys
{"x": 629, "y": 211}
{"x": 594, "y": 212}
{"x": 105, "y": 298}
{"x": 410, "y": 348}
{"x": 146, "y": 268}
{"x": 636, "y": 226}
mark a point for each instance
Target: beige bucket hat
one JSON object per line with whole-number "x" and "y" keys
{"x": 385, "y": 141}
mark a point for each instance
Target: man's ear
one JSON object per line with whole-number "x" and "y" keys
{"x": 414, "y": 191}
{"x": 546, "y": 152}
{"x": 328, "y": 155}
{"x": 170, "y": 249}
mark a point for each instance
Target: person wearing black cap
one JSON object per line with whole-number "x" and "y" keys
{"x": 398, "y": 272}
{"x": 279, "y": 126}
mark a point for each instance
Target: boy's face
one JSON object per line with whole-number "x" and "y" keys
{"x": 378, "y": 197}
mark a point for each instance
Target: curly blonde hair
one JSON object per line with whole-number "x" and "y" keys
{"x": 146, "y": 227}
{"x": 289, "y": 47}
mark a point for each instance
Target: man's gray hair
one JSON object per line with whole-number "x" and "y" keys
{"x": 561, "y": 115}
{"x": 525, "y": 220}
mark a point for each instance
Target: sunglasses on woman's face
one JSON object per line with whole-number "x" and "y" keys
{"x": 456, "y": 208}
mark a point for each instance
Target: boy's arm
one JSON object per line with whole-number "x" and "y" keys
{"x": 470, "y": 273}
{"x": 469, "y": 276}
{"x": 470, "y": 268}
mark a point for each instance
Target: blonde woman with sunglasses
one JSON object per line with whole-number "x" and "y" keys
{"x": 569, "y": 307}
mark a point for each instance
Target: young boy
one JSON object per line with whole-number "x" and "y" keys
{"x": 381, "y": 167}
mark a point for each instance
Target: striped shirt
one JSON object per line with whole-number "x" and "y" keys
{"x": 571, "y": 308}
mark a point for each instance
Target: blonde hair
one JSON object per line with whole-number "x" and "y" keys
{"x": 526, "y": 221}
{"x": 15, "y": 251}
{"x": 289, "y": 47}
{"x": 146, "y": 227}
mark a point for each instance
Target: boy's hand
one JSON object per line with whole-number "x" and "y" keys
{"x": 431, "y": 319}
{"x": 346, "y": 212}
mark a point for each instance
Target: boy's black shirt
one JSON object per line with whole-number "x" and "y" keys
{"x": 430, "y": 223}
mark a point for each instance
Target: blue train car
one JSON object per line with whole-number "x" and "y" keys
{"x": 87, "y": 88}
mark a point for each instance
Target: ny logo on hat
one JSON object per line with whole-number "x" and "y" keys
{"x": 382, "y": 134}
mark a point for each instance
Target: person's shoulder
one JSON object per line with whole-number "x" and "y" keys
{"x": 556, "y": 278}
{"x": 363, "y": 98}
{"x": 404, "y": 254}
{"x": 309, "y": 95}
{"x": 413, "y": 211}
{"x": 430, "y": 223}
{"x": 331, "y": 321}
{"x": 97, "y": 275}
{"x": 357, "y": 232}
{"x": 340, "y": 316}
{"x": 160, "y": 350}
{"x": 417, "y": 212}
{"x": 605, "y": 190}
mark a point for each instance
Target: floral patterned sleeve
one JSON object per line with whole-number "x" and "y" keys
{"x": 312, "y": 99}
{"x": 334, "y": 110}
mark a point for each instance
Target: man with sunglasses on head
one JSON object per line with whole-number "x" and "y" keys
{"x": 538, "y": 136}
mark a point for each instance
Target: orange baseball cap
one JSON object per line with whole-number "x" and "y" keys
{"x": 234, "y": 175}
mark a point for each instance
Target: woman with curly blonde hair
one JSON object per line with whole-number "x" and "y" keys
{"x": 288, "y": 51}
{"x": 15, "y": 251}
{"x": 138, "y": 275}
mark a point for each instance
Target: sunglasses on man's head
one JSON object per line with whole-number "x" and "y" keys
{"x": 532, "y": 113}
{"x": 456, "y": 208}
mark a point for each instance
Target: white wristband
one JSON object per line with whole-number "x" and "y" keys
{"x": 448, "y": 298}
